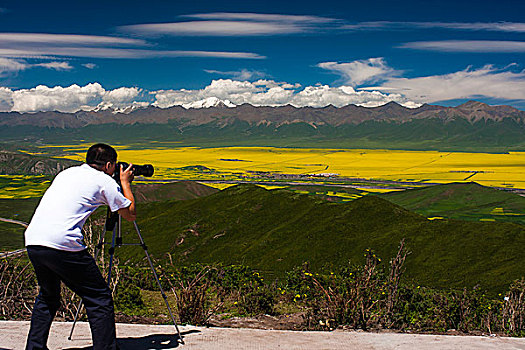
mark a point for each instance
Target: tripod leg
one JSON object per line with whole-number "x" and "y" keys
{"x": 111, "y": 254}
{"x": 98, "y": 249}
{"x": 158, "y": 281}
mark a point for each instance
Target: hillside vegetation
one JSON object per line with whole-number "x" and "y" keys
{"x": 18, "y": 209}
{"x": 276, "y": 230}
{"x": 18, "y": 163}
{"x": 180, "y": 190}
{"x": 466, "y": 201}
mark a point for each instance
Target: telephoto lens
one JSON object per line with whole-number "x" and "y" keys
{"x": 145, "y": 170}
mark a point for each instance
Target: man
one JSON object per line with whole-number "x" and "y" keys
{"x": 56, "y": 248}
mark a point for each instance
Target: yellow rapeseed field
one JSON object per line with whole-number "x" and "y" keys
{"x": 500, "y": 170}
{"x": 22, "y": 186}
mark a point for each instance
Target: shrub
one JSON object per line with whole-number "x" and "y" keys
{"x": 257, "y": 300}
{"x": 17, "y": 288}
{"x": 128, "y": 298}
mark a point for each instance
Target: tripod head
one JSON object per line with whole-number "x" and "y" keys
{"x": 112, "y": 218}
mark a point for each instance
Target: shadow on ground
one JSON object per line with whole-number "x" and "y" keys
{"x": 152, "y": 341}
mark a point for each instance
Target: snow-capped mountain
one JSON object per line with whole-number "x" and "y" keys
{"x": 208, "y": 103}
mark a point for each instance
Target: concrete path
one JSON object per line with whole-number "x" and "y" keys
{"x": 13, "y": 335}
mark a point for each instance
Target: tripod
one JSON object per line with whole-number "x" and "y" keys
{"x": 113, "y": 223}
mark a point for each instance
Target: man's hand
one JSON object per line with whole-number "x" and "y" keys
{"x": 126, "y": 175}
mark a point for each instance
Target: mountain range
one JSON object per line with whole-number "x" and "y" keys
{"x": 470, "y": 125}
{"x": 222, "y": 113}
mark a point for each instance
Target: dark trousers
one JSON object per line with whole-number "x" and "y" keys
{"x": 79, "y": 272}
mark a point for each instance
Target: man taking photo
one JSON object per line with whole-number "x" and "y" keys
{"x": 56, "y": 248}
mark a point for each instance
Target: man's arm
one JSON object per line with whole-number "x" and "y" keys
{"x": 126, "y": 177}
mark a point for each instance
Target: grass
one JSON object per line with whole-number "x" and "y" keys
{"x": 18, "y": 209}
{"x": 155, "y": 305}
{"x": 465, "y": 201}
{"x": 181, "y": 190}
{"x": 331, "y": 193}
{"x": 12, "y": 236}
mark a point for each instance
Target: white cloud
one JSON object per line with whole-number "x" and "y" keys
{"x": 361, "y": 71}
{"x": 101, "y": 52}
{"x": 467, "y": 46}
{"x": 69, "y": 99}
{"x": 271, "y": 93}
{"x": 243, "y": 74}
{"x": 8, "y": 65}
{"x": 263, "y": 17}
{"x": 215, "y": 28}
{"x": 12, "y": 66}
{"x": 89, "y": 65}
{"x": 487, "y": 81}
{"x": 47, "y": 46}
{"x": 55, "y": 65}
{"x": 64, "y": 39}
{"x": 518, "y": 27}
{"x": 6, "y": 99}
{"x": 122, "y": 99}
{"x": 233, "y": 24}
{"x": 121, "y": 96}
{"x": 63, "y": 99}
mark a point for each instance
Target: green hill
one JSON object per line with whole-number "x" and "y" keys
{"x": 277, "y": 230}
{"x": 180, "y": 190}
{"x": 18, "y": 209}
{"x": 466, "y": 201}
{"x": 327, "y": 192}
{"x": 18, "y": 163}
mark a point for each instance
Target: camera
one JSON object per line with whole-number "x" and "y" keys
{"x": 138, "y": 170}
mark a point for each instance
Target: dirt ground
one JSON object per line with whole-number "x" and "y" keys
{"x": 134, "y": 336}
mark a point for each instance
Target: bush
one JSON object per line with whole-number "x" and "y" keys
{"x": 256, "y": 300}
{"x": 18, "y": 288}
{"x": 357, "y": 296}
{"x": 128, "y": 298}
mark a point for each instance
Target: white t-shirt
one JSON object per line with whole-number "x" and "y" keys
{"x": 74, "y": 194}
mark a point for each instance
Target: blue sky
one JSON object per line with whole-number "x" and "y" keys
{"x": 116, "y": 54}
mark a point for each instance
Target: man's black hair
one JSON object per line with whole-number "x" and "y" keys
{"x": 100, "y": 153}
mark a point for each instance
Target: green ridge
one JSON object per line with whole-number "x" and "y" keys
{"x": 181, "y": 190}
{"x": 466, "y": 201}
{"x": 18, "y": 163}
